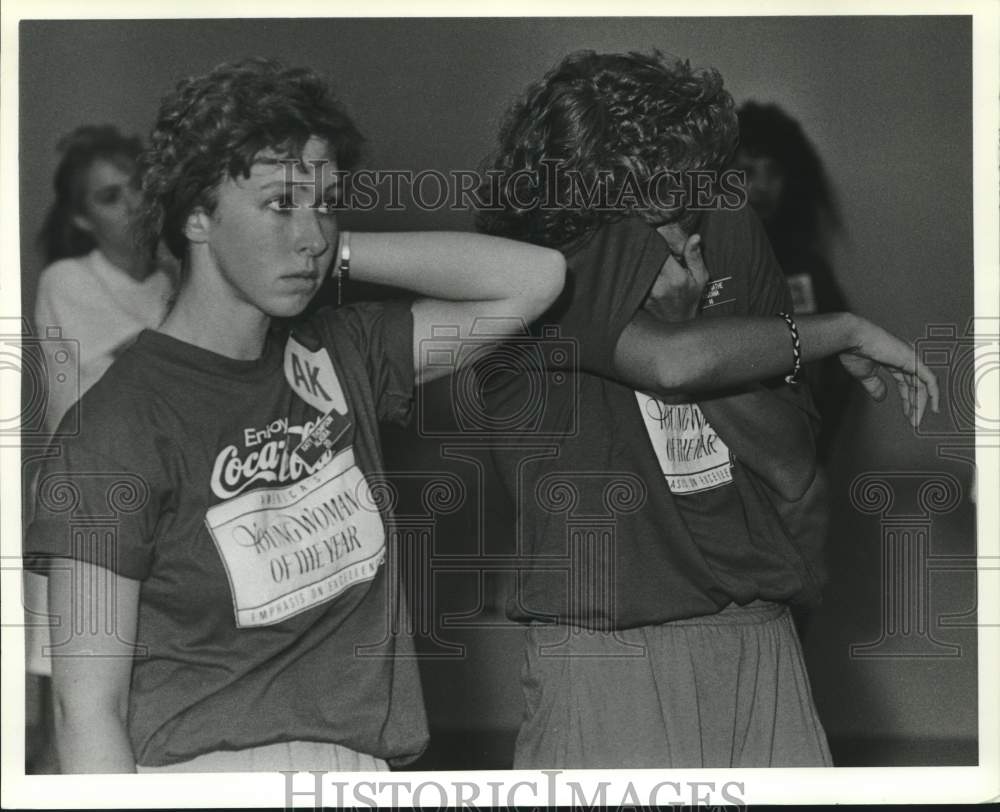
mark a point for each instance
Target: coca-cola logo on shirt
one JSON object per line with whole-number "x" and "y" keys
{"x": 266, "y": 457}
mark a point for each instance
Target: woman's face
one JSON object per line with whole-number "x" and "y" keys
{"x": 765, "y": 183}
{"x": 110, "y": 199}
{"x": 271, "y": 237}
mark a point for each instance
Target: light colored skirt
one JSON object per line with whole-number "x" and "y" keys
{"x": 725, "y": 690}
{"x": 298, "y": 756}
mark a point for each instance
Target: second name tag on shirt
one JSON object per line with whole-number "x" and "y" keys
{"x": 692, "y": 456}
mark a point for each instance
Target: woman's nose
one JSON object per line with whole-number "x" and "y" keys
{"x": 311, "y": 237}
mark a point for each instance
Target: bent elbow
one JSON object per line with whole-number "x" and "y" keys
{"x": 548, "y": 282}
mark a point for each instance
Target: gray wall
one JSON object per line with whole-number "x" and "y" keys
{"x": 887, "y": 102}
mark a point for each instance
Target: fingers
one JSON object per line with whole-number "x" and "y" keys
{"x": 907, "y": 398}
{"x": 694, "y": 261}
{"x": 929, "y": 380}
{"x": 674, "y": 279}
{"x": 874, "y": 386}
{"x": 917, "y": 393}
{"x": 917, "y": 385}
{"x": 922, "y": 393}
{"x": 923, "y": 382}
{"x": 865, "y": 371}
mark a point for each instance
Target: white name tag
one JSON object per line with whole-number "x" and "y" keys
{"x": 692, "y": 455}
{"x": 289, "y": 549}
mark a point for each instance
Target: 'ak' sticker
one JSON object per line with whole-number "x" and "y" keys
{"x": 312, "y": 377}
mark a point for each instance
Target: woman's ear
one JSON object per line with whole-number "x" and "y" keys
{"x": 198, "y": 225}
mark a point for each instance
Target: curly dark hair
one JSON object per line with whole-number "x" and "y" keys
{"x": 59, "y": 236}
{"x": 807, "y": 206}
{"x": 623, "y": 117}
{"x": 216, "y": 125}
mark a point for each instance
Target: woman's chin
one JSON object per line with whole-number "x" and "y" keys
{"x": 289, "y": 306}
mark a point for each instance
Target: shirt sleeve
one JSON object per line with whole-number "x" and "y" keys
{"x": 383, "y": 333}
{"x": 608, "y": 279}
{"x": 91, "y": 508}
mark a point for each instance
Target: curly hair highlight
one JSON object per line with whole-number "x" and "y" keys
{"x": 624, "y": 117}
{"x": 217, "y": 124}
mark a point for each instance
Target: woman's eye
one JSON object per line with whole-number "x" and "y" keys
{"x": 281, "y": 204}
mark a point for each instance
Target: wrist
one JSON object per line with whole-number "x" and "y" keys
{"x": 852, "y": 331}
{"x": 829, "y": 334}
{"x": 342, "y": 268}
{"x": 793, "y": 331}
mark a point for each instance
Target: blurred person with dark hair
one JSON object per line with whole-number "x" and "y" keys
{"x": 660, "y": 635}
{"x": 790, "y": 192}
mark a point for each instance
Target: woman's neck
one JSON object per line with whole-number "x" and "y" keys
{"x": 226, "y": 327}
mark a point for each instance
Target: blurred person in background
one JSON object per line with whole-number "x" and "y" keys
{"x": 99, "y": 290}
{"x": 789, "y": 190}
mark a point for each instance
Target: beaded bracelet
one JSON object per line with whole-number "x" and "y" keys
{"x": 796, "y": 349}
{"x": 343, "y": 263}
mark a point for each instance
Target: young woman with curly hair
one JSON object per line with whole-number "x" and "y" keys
{"x": 241, "y": 615}
{"x": 659, "y": 631}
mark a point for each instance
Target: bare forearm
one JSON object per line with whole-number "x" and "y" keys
{"x": 91, "y": 677}
{"x": 770, "y": 435}
{"x": 463, "y": 278}
{"x": 92, "y": 742}
{"x": 707, "y": 355}
{"x": 457, "y": 266}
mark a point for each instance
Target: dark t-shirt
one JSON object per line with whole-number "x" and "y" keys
{"x": 605, "y": 541}
{"x": 265, "y": 612}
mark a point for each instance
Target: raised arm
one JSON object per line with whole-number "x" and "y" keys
{"x": 611, "y": 278}
{"x": 92, "y": 665}
{"x": 712, "y": 354}
{"x": 465, "y": 277}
